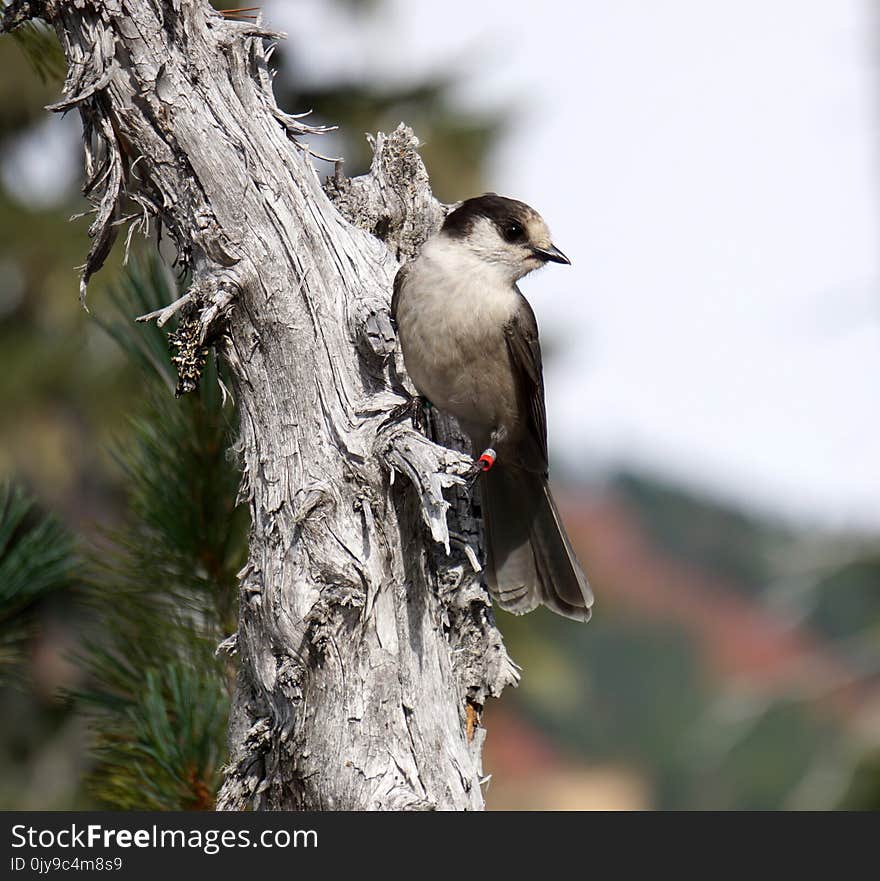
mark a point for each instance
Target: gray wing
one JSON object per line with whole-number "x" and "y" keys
{"x": 521, "y": 333}
{"x": 399, "y": 281}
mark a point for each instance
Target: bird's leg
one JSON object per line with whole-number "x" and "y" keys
{"x": 415, "y": 408}
{"x": 484, "y": 463}
{"x": 487, "y": 458}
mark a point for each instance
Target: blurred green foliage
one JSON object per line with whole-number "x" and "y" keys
{"x": 727, "y": 541}
{"x": 454, "y": 146}
{"x": 37, "y": 559}
{"x": 848, "y": 603}
{"x": 40, "y": 46}
{"x": 638, "y": 690}
{"x": 164, "y": 590}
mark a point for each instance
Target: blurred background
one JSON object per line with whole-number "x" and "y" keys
{"x": 710, "y": 360}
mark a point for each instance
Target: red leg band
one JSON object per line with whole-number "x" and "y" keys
{"x": 488, "y": 459}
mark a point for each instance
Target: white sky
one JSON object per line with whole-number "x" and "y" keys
{"x": 712, "y": 171}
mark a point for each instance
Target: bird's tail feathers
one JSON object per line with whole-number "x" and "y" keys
{"x": 530, "y": 561}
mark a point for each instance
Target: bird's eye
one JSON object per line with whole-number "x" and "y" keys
{"x": 513, "y": 231}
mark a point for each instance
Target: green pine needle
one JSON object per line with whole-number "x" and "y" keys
{"x": 161, "y": 746}
{"x": 41, "y": 47}
{"x": 36, "y": 559}
{"x": 164, "y": 588}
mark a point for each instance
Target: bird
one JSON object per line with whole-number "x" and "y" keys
{"x": 469, "y": 341}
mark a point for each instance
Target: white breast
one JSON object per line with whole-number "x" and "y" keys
{"x": 451, "y": 315}
{"x": 450, "y": 286}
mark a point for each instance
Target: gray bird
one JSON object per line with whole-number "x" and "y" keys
{"x": 470, "y": 344}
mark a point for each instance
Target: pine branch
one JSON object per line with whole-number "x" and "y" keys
{"x": 161, "y": 746}
{"x": 164, "y": 585}
{"x": 36, "y": 559}
{"x": 40, "y": 46}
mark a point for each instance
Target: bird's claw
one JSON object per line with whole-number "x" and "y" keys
{"x": 470, "y": 476}
{"x": 414, "y": 409}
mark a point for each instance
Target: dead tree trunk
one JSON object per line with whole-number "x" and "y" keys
{"x": 367, "y": 648}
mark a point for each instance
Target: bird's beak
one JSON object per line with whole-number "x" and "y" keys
{"x": 552, "y": 254}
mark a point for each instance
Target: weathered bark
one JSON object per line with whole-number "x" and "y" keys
{"x": 367, "y": 644}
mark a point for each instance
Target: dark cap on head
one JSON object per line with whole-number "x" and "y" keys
{"x": 499, "y": 209}
{"x": 518, "y": 224}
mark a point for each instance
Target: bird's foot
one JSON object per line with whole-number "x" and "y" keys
{"x": 483, "y": 463}
{"x": 415, "y": 408}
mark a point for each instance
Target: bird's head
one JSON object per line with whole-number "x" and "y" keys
{"x": 503, "y": 232}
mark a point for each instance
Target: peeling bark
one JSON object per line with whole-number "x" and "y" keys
{"x": 366, "y": 639}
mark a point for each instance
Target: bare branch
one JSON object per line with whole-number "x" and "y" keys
{"x": 161, "y": 316}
